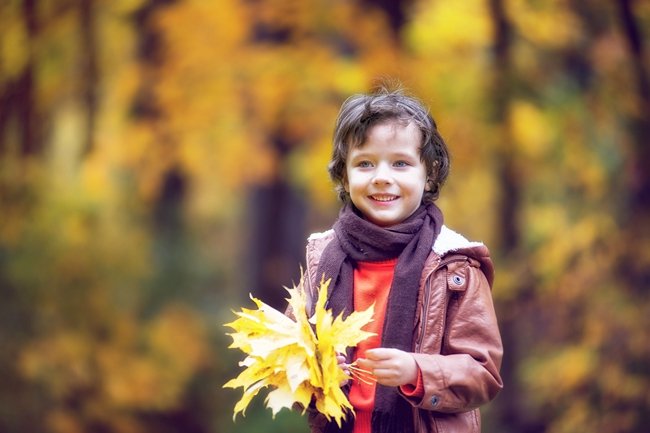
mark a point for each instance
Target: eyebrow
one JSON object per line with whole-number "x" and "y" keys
{"x": 397, "y": 154}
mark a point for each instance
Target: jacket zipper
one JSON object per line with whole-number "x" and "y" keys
{"x": 423, "y": 316}
{"x": 425, "y": 302}
{"x": 427, "y": 293}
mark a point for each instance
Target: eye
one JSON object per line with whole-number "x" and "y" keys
{"x": 364, "y": 164}
{"x": 401, "y": 164}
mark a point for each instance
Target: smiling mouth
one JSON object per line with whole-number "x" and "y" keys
{"x": 384, "y": 198}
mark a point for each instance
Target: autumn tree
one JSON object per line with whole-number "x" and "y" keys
{"x": 161, "y": 159}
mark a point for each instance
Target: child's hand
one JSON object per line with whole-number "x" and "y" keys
{"x": 340, "y": 359}
{"x": 391, "y": 367}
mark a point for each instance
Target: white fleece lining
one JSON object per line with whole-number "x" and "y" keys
{"x": 449, "y": 240}
{"x": 315, "y": 236}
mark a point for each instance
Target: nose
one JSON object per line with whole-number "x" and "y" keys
{"x": 382, "y": 176}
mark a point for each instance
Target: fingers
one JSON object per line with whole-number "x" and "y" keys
{"x": 375, "y": 358}
{"x": 391, "y": 367}
{"x": 382, "y": 353}
{"x": 340, "y": 360}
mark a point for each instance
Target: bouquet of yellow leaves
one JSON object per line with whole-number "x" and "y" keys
{"x": 295, "y": 358}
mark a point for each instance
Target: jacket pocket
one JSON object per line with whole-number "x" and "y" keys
{"x": 437, "y": 422}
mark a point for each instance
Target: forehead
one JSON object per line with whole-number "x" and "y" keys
{"x": 389, "y": 135}
{"x": 393, "y": 130}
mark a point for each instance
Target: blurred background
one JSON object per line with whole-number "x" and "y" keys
{"x": 162, "y": 159}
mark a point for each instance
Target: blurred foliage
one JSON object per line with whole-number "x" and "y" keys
{"x": 134, "y": 132}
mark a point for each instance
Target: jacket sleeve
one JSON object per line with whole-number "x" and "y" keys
{"x": 465, "y": 373}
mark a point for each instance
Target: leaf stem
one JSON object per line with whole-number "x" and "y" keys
{"x": 361, "y": 374}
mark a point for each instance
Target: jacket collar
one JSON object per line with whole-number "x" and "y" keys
{"x": 450, "y": 241}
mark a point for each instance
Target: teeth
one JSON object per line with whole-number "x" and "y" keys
{"x": 384, "y": 198}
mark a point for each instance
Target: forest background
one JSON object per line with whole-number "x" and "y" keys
{"x": 162, "y": 159}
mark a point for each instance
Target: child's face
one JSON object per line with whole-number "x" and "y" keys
{"x": 386, "y": 178}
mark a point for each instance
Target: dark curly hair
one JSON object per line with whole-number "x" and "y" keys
{"x": 361, "y": 112}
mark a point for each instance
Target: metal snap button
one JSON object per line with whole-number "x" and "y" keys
{"x": 458, "y": 280}
{"x": 434, "y": 401}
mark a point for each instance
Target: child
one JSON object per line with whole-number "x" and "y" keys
{"x": 437, "y": 354}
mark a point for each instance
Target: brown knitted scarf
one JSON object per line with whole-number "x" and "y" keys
{"x": 358, "y": 240}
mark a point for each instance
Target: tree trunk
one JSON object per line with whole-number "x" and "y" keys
{"x": 278, "y": 240}
{"x": 17, "y": 101}
{"x": 508, "y": 403}
{"x": 640, "y": 182}
{"x": 90, "y": 72}
{"x": 395, "y": 11}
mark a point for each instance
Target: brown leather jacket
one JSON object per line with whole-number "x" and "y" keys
{"x": 457, "y": 345}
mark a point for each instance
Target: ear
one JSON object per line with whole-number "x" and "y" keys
{"x": 346, "y": 185}
{"x": 429, "y": 184}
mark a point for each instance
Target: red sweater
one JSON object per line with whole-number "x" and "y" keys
{"x": 372, "y": 283}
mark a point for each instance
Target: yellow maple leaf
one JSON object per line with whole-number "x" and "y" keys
{"x": 297, "y": 358}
